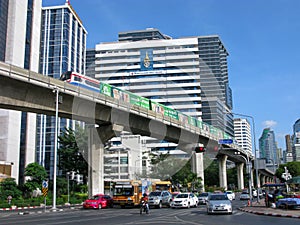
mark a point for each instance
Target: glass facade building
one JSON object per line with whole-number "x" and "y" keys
{"x": 268, "y": 147}
{"x": 3, "y": 26}
{"x": 63, "y": 48}
{"x": 296, "y": 141}
{"x": 19, "y": 46}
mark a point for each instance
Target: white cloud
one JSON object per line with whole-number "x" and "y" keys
{"x": 270, "y": 123}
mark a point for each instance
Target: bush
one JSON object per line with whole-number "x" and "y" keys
{"x": 5, "y": 205}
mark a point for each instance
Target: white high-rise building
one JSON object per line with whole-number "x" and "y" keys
{"x": 166, "y": 71}
{"x": 242, "y": 134}
{"x": 22, "y": 30}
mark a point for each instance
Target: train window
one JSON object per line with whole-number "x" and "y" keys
{"x": 92, "y": 84}
{"x": 77, "y": 78}
{"x": 65, "y": 76}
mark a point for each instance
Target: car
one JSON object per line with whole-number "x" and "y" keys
{"x": 202, "y": 198}
{"x": 218, "y": 203}
{"x": 244, "y": 196}
{"x": 185, "y": 200}
{"x": 98, "y": 201}
{"x": 230, "y": 195}
{"x": 159, "y": 198}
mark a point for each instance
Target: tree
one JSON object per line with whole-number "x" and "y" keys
{"x": 186, "y": 178}
{"x": 73, "y": 151}
{"x": 211, "y": 173}
{"x": 8, "y": 187}
{"x": 293, "y": 169}
{"x": 36, "y": 174}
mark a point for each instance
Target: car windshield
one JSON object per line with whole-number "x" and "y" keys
{"x": 96, "y": 197}
{"x": 182, "y": 196}
{"x": 218, "y": 197}
{"x": 155, "y": 193}
{"x": 203, "y": 194}
{"x": 229, "y": 192}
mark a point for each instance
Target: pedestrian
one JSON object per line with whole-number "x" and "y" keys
{"x": 9, "y": 198}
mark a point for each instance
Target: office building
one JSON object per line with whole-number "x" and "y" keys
{"x": 19, "y": 46}
{"x": 90, "y": 62}
{"x": 242, "y": 134}
{"x": 288, "y": 154}
{"x": 296, "y": 141}
{"x": 268, "y": 148}
{"x": 187, "y": 74}
{"x": 63, "y": 48}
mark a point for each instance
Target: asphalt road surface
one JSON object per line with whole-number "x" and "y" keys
{"x": 118, "y": 216}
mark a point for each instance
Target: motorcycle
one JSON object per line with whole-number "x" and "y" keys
{"x": 144, "y": 207}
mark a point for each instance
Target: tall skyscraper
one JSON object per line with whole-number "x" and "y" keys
{"x": 63, "y": 47}
{"x": 90, "y": 62}
{"x": 182, "y": 73}
{"x": 296, "y": 141}
{"x": 288, "y": 157}
{"x": 268, "y": 147}
{"x": 242, "y": 134}
{"x": 216, "y": 93}
{"x": 19, "y": 45}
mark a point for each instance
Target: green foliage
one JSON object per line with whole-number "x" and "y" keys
{"x": 37, "y": 174}
{"x": 73, "y": 151}
{"x": 211, "y": 173}
{"x": 187, "y": 179}
{"x": 293, "y": 169}
{"x": 8, "y": 187}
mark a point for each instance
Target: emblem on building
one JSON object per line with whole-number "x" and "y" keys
{"x": 147, "y": 62}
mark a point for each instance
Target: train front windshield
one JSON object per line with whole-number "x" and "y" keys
{"x": 66, "y": 76}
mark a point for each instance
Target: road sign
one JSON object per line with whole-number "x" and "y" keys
{"x": 45, "y": 184}
{"x": 45, "y": 191}
{"x": 45, "y": 188}
{"x": 225, "y": 141}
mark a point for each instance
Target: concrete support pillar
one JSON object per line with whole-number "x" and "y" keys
{"x": 240, "y": 175}
{"x": 252, "y": 178}
{"x": 95, "y": 164}
{"x": 259, "y": 180}
{"x": 222, "y": 171}
{"x": 197, "y": 166}
{"x": 98, "y": 135}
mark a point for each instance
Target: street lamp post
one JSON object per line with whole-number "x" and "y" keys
{"x": 248, "y": 166}
{"x": 255, "y": 154}
{"x": 68, "y": 186}
{"x": 56, "y": 91}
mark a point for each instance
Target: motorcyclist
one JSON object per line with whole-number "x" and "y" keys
{"x": 145, "y": 199}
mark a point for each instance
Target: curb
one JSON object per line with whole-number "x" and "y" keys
{"x": 19, "y": 208}
{"x": 269, "y": 213}
{"x": 34, "y": 207}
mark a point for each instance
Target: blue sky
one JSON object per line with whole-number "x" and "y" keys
{"x": 262, "y": 38}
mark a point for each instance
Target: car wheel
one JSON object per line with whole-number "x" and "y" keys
{"x": 159, "y": 205}
{"x": 99, "y": 206}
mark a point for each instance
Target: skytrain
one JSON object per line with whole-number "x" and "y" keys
{"x": 133, "y": 99}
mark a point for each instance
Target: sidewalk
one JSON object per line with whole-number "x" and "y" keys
{"x": 260, "y": 208}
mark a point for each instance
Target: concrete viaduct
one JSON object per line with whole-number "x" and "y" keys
{"x": 28, "y": 91}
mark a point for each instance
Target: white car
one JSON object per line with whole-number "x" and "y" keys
{"x": 244, "y": 196}
{"x": 230, "y": 195}
{"x": 185, "y": 200}
{"x": 219, "y": 203}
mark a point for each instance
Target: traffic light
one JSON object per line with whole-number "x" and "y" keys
{"x": 199, "y": 149}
